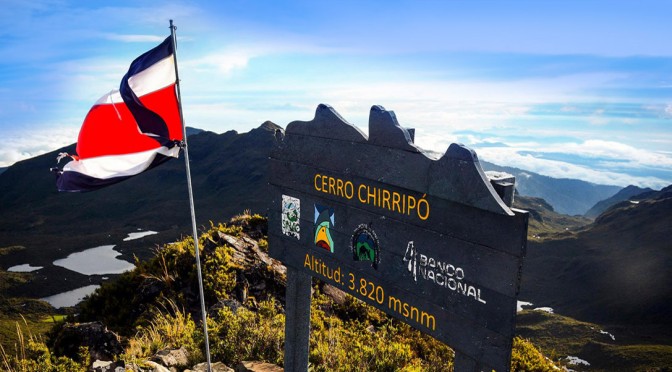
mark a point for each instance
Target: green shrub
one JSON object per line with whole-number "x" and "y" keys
{"x": 248, "y": 335}
{"x": 526, "y": 357}
{"x": 34, "y": 355}
{"x": 169, "y": 329}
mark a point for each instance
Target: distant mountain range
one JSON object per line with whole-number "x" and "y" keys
{"x": 567, "y": 196}
{"x": 626, "y": 245}
{"x": 625, "y": 194}
{"x": 229, "y": 176}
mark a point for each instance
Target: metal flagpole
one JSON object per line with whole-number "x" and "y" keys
{"x": 191, "y": 201}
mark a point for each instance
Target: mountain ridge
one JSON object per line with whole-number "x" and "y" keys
{"x": 228, "y": 176}
{"x": 615, "y": 270}
{"x": 624, "y": 194}
{"x": 567, "y": 196}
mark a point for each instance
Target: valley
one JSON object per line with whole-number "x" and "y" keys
{"x": 609, "y": 272}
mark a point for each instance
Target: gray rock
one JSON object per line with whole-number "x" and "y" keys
{"x": 156, "y": 367}
{"x": 107, "y": 366}
{"x": 249, "y": 366}
{"x": 216, "y": 367}
{"x": 103, "y": 344}
{"x": 172, "y": 358}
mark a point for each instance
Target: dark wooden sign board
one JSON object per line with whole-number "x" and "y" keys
{"x": 428, "y": 241}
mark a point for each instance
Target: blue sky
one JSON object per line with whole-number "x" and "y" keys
{"x": 579, "y": 89}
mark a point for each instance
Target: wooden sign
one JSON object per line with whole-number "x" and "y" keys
{"x": 428, "y": 241}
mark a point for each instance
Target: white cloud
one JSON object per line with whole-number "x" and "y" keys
{"x": 598, "y": 118}
{"x": 660, "y": 110}
{"x": 559, "y": 169}
{"x": 19, "y": 146}
{"x": 223, "y": 62}
{"x": 625, "y": 155}
{"x": 136, "y": 38}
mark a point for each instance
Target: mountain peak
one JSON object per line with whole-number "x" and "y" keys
{"x": 269, "y": 126}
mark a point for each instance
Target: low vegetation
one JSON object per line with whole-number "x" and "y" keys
{"x": 30, "y": 353}
{"x": 559, "y": 336}
{"x": 155, "y": 307}
{"x": 545, "y": 223}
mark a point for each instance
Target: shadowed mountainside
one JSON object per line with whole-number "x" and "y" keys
{"x": 544, "y": 222}
{"x": 617, "y": 270}
{"x": 625, "y": 194}
{"x": 228, "y": 174}
{"x": 609, "y": 271}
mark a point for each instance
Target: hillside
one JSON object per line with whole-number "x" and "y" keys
{"x": 544, "y": 222}
{"x": 612, "y": 272}
{"x": 154, "y": 308}
{"x": 228, "y": 174}
{"x": 616, "y": 271}
{"x": 567, "y": 196}
{"x": 625, "y": 194}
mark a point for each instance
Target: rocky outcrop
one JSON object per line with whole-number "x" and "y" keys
{"x": 260, "y": 274}
{"x": 176, "y": 358}
{"x": 215, "y": 367}
{"x": 248, "y": 366}
{"x": 108, "y": 366}
{"x": 102, "y": 343}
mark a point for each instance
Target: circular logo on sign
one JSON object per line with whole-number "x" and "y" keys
{"x": 365, "y": 245}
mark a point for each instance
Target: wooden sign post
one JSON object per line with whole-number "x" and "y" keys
{"x": 428, "y": 241}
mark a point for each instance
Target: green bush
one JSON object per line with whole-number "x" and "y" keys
{"x": 169, "y": 329}
{"x": 345, "y": 336}
{"x": 248, "y": 335}
{"x": 526, "y": 357}
{"x": 34, "y": 355}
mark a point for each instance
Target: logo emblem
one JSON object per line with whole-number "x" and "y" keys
{"x": 324, "y": 221}
{"x": 291, "y": 213}
{"x": 365, "y": 245}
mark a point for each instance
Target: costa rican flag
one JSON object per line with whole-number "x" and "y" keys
{"x": 131, "y": 130}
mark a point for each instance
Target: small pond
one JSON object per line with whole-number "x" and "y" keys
{"x": 96, "y": 261}
{"x": 70, "y": 298}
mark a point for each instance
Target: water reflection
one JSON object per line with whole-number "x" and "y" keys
{"x": 25, "y": 268}
{"x": 96, "y": 261}
{"x": 70, "y": 298}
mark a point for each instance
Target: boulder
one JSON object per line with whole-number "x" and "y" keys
{"x": 103, "y": 344}
{"x": 108, "y": 366}
{"x": 216, "y": 367}
{"x": 172, "y": 358}
{"x": 248, "y": 366}
{"x": 156, "y": 367}
{"x": 261, "y": 276}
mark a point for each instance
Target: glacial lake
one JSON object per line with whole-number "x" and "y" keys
{"x": 139, "y": 234}
{"x": 96, "y": 261}
{"x": 70, "y": 298}
{"x": 25, "y": 268}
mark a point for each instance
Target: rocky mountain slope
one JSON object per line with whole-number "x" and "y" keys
{"x": 545, "y": 222}
{"x": 625, "y": 194}
{"x": 228, "y": 174}
{"x": 616, "y": 271}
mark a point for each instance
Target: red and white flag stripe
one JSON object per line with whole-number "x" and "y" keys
{"x": 130, "y": 130}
